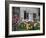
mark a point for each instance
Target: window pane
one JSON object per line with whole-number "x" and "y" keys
{"x": 34, "y": 15}
{"x": 26, "y": 15}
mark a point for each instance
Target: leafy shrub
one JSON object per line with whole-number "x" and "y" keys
{"x": 31, "y": 26}
{"x": 37, "y": 27}
{"x": 22, "y": 26}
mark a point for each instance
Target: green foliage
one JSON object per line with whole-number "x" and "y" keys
{"x": 22, "y": 26}
{"x": 37, "y": 27}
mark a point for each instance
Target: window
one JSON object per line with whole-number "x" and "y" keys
{"x": 26, "y": 15}
{"x": 34, "y": 15}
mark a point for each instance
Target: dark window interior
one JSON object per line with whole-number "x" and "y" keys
{"x": 15, "y": 11}
{"x": 34, "y": 15}
{"x": 26, "y": 15}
